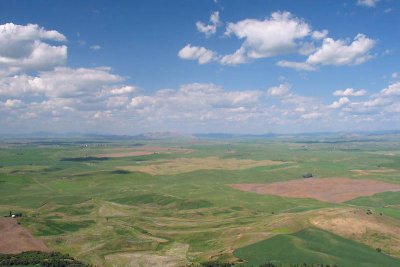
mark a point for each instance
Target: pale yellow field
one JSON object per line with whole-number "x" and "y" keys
{"x": 182, "y": 165}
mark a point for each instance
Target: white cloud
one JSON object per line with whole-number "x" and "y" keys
{"x": 62, "y": 82}
{"x": 67, "y": 82}
{"x": 269, "y": 37}
{"x": 334, "y": 53}
{"x": 395, "y": 75}
{"x": 367, "y": 3}
{"x": 210, "y": 29}
{"x": 95, "y": 47}
{"x": 388, "y": 10}
{"x": 12, "y": 103}
{"x": 340, "y": 53}
{"x": 22, "y": 48}
{"x": 214, "y": 18}
{"x": 338, "y": 104}
{"x": 349, "y": 92}
{"x": 392, "y": 90}
{"x": 307, "y": 48}
{"x": 317, "y": 35}
{"x": 279, "y": 91}
{"x": 196, "y": 103}
{"x": 201, "y": 54}
{"x": 236, "y": 58}
{"x": 296, "y": 65}
{"x": 124, "y": 90}
{"x": 312, "y": 115}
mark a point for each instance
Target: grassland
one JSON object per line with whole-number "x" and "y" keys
{"x": 307, "y": 246}
{"x": 117, "y": 210}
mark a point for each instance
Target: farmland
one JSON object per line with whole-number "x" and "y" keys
{"x": 171, "y": 202}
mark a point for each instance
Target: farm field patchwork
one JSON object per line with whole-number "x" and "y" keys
{"x": 171, "y": 203}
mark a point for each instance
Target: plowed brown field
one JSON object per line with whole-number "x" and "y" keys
{"x": 15, "y": 239}
{"x": 333, "y": 190}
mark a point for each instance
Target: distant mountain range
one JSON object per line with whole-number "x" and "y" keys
{"x": 175, "y": 135}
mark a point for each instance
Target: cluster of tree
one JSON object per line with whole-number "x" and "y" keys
{"x": 84, "y": 159}
{"x": 269, "y": 264}
{"x": 15, "y": 214}
{"x": 52, "y": 259}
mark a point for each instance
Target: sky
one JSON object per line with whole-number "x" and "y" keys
{"x": 191, "y": 66}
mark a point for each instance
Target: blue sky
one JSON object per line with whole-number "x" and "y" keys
{"x": 127, "y": 67}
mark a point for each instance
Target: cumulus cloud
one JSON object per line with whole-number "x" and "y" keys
{"x": 22, "y": 48}
{"x": 307, "y": 48}
{"x": 12, "y": 103}
{"x": 341, "y": 53}
{"x": 124, "y": 90}
{"x": 236, "y": 58}
{"x": 349, "y": 92}
{"x": 209, "y": 29}
{"x": 296, "y": 65}
{"x": 201, "y": 54}
{"x": 312, "y": 115}
{"x": 317, "y": 35}
{"x": 392, "y": 90}
{"x": 367, "y": 3}
{"x": 395, "y": 75}
{"x": 279, "y": 91}
{"x": 62, "y": 82}
{"x": 269, "y": 37}
{"x": 338, "y": 104}
{"x": 196, "y": 96}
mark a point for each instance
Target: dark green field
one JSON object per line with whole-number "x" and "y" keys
{"x": 172, "y": 206}
{"x": 313, "y": 246}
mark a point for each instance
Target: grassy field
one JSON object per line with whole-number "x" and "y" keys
{"x": 173, "y": 207}
{"x": 313, "y": 246}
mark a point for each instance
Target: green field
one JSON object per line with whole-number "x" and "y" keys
{"x": 313, "y": 246}
{"x": 105, "y": 211}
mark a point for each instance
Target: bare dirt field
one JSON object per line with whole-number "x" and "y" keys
{"x": 182, "y": 165}
{"x": 372, "y": 172}
{"x": 334, "y": 190}
{"x": 15, "y": 239}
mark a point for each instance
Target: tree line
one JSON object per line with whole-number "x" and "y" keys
{"x": 47, "y": 259}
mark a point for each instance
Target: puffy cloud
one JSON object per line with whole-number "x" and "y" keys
{"x": 124, "y": 90}
{"x": 196, "y": 96}
{"x": 272, "y": 36}
{"x": 338, "y": 104}
{"x": 296, "y": 65}
{"x": 12, "y": 103}
{"x": 367, "y": 3}
{"x": 22, "y": 48}
{"x": 197, "y": 104}
{"x": 279, "y": 91}
{"x": 349, "y": 92}
{"x": 201, "y": 54}
{"x": 236, "y": 58}
{"x": 340, "y": 53}
{"x": 64, "y": 82}
{"x": 312, "y": 115}
{"x": 210, "y": 29}
{"x": 392, "y": 90}
{"x": 317, "y": 35}
{"x": 67, "y": 82}
{"x": 395, "y": 75}
{"x": 307, "y": 48}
